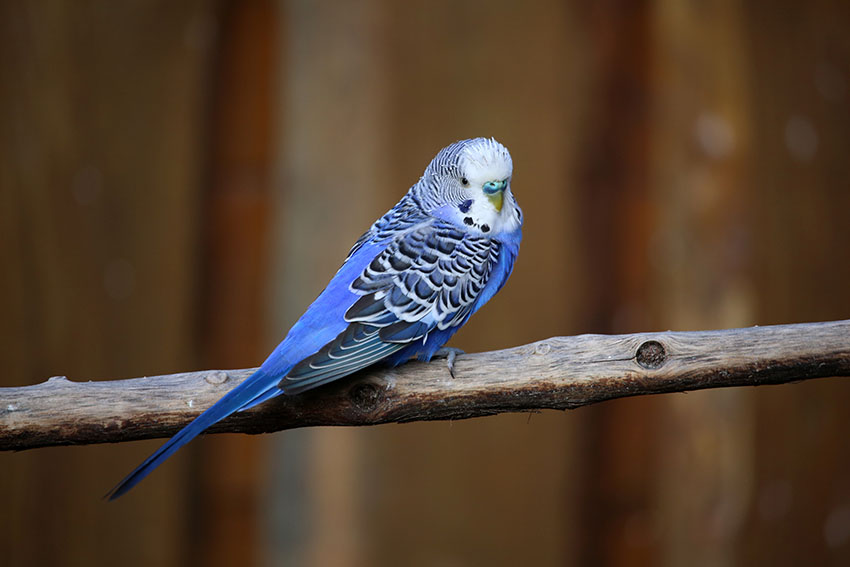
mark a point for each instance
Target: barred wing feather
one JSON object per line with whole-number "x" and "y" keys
{"x": 427, "y": 278}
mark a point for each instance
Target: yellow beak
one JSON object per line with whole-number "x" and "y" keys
{"x": 497, "y": 199}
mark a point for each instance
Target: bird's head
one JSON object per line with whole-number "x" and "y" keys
{"x": 469, "y": 183}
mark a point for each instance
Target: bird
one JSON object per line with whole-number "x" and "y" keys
{"x": 406, "y": 286}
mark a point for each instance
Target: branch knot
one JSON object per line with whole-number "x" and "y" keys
{"x": 651, "y": 355}
{"x": 365, "y": 396}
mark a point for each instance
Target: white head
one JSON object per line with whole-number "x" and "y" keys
{"x": 469, "y": 183}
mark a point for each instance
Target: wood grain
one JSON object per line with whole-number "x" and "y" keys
{"x": 556, "y": 373}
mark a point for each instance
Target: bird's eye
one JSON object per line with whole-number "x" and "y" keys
{"x": 464, "y": 181}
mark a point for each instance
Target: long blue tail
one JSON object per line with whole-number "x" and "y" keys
{"x": 258, "y": 384}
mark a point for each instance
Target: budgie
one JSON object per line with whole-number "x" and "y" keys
{"x": 407, "y": 285}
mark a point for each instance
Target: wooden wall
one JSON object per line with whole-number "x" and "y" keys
{"x": 178, "y": 181}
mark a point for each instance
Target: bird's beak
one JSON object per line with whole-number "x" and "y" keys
{"x": 495, "y": 191}
{"x": 497, "y": 199}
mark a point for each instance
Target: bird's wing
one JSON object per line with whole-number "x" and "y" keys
{"x": 428, "y": 277}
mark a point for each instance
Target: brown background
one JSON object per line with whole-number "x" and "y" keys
{"x": 179, "y": 180}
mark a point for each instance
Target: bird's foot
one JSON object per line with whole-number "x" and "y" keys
{"x": 449, "y": 353}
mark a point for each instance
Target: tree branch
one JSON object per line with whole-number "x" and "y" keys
{"x": 557, "y": 373}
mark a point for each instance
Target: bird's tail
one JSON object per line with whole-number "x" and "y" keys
{"x": 256, "y": 386}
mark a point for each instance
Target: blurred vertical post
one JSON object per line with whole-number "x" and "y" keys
{"x": 229, "y": 494}
{"x": 701, "y": 276}
{"x": 618, "y": 439}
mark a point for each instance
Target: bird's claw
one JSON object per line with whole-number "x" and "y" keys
{"x": 449, "y": 353}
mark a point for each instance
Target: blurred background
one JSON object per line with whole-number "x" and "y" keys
{"x": 178, "y": 180}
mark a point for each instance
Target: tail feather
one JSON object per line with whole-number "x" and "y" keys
{"x": 263, "y": 396}
{"x": 255, "y": 386}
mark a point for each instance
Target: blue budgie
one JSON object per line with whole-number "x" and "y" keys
{"x": 408, "y": 284}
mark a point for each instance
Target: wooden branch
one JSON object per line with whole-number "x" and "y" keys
{"x": 557, "y": 373}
